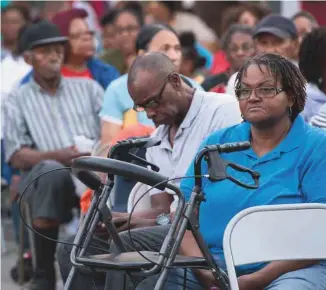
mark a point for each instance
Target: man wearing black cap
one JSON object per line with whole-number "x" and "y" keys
{"x": 277, "y": 34}
{"x": 43, "y": 119}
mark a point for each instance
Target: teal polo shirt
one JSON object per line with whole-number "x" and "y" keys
{"x": 294, "y": 172}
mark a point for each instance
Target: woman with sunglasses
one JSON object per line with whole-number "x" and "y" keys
{"x": 117, "y": 111}
{"x": 288, "y": 154}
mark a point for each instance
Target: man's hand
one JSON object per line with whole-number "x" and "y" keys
{"x": 249, "y": 282}
{"x": 13, "y": 188}
{"x": 66, "y": 155}
{"x": 121, "y": 223}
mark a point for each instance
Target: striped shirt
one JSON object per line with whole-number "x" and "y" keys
{"x": 47, "y": 122}
{"x": 319, "y": 120}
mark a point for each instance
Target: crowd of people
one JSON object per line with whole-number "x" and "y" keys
{"x": 71, "y": 89}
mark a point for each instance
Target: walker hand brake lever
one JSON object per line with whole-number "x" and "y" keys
{"x": 144, "y": 162}
{"x": 217, "y": 170}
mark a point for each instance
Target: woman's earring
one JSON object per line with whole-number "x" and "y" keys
{"x": 290, "y": 111}
{"x": 320, "y": 81}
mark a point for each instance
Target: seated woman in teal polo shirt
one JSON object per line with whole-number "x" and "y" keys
{"x": 291, "y": 158}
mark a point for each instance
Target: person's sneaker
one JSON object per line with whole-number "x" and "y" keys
{"x": 39, "y": 284}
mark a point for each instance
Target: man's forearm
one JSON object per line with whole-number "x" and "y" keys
{"x": 149, "y": 214}
{"x": 274, "y": 270}
{"x": 26, "y": 158}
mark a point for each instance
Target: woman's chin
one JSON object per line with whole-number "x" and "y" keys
{"x": 255, "y": 117}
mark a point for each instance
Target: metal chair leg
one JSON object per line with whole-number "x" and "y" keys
{"x": 27, "y": 216}
{"x": 31, "y": 235}
{"x": 21, "y": 273}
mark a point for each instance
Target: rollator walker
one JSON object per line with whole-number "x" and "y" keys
{"x": 145, "y": 263}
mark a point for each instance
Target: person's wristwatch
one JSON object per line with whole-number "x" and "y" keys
{"x": 163, "y": 219}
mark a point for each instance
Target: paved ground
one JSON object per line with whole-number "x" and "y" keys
{"x": 9, "y": 258}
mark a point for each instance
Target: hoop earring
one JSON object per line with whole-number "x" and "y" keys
{"x": 290, "y": 111}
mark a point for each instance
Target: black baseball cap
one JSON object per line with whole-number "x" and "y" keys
{"x": 42, "y": 33}
{"x": 277, "y": 25}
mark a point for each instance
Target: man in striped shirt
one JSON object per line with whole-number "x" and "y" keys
{"x": 43, "y": 117}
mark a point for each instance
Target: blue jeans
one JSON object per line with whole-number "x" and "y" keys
{"x": 312, "y": 278}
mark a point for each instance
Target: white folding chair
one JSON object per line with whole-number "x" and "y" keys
{"x": 138, "y": 190}
{"x": 275, "y": 233}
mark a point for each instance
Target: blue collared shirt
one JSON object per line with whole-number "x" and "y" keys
{"x": 294, "y": 172}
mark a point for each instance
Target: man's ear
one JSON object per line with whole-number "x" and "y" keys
{"x": 28, "y": 57}
{"x": 176, "y": 81}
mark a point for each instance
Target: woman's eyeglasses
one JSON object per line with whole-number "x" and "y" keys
{"x": 245, "y": 47}
{"x": 260, "y": 92}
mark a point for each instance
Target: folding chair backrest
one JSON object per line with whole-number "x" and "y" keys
{"x": 277, "y": 232}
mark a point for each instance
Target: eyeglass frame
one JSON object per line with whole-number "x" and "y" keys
{"x": 128, "y": 29}
{"x": 155, "y": 101}
{"x": 243, "y": 47}
{"x": 276, "y": 90}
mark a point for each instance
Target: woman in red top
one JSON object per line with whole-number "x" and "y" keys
{"x": 80, "y": 49}
{"x": 81, "y": 44}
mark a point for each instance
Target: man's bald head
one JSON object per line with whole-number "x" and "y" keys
{"x": 155, "y": 87}
{"x": 155, "y": 63}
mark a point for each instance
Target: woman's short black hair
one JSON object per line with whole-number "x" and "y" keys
{"x": 234, "y": 28}
{"x": 312, "y": 56}
{"x": 138, "y": 14}
{"x": 108, "y": 18}
{"x": 307, "y": 15}
{"x": 24, "y": 11}
{"x": 189, "y": 51}
{"x": 147, "y": 33}
{"x": 283, "y": 69}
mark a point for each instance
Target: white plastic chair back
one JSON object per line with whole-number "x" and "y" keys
{"x": 138, "y": 190}
{"x": 277, "y": 232}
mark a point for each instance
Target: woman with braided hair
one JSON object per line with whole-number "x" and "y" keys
{"x": 288, "y": 154}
